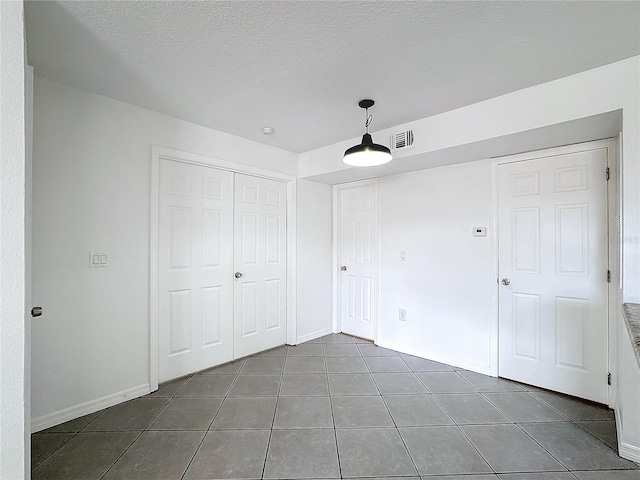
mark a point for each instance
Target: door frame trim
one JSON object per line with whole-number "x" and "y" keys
{"x": 613, "y": 210}
{"x": 335, "y": 273}
{"x": 162, "y": 153}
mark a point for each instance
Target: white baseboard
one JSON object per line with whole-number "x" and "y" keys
{"x": 70, "y": 413}
{"x": 629, "y": 451}
{"x": 449, "y": 360}
{"x": 625, "y": 449}
{"x": 313, "y": 335}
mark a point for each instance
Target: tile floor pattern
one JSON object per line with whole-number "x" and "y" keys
{"x": 334, "y": 408}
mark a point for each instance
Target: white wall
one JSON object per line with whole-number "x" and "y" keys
{"x": 445, "y": 281}
{"x": 507, "y": 124}
{"x": 313, "y": 260}
{"x": 91, "y": 184}
{"x": 628, "y": 398}
{"x": 14, "y": 344}
{"x": 612, "y": 87}
{"x": 28, "y": 248}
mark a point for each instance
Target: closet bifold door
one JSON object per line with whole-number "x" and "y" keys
{"x": 260, "y": 255}
{"x": 195, "y": 268}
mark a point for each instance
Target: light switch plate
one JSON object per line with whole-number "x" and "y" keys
{"x": 98, "y": 259}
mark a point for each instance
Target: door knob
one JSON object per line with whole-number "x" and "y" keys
{"x": 36, "y": 311}
{"x": 238, "y": 275}
{"x": 506, "y": 281}
{"x": 343, "y": 268}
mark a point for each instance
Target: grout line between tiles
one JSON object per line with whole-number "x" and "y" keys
{"x": 395, "y": 425}
{"x": 333, "y": 419}
{"x": 273, "y": 420}
{"x": 144, "y": 429}
{"x": 370, "y": 373}
{"x": 122, "y": 454}
{"x": 33, "y": 467}
{"x": 237, "y": 374}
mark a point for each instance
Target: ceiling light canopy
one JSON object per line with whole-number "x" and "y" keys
{"x": 367, "y": 154}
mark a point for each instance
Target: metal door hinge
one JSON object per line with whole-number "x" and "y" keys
{"x": 608, "y": 276}
{"x": 608, "y": 173}
{"x": 609, "y": 379}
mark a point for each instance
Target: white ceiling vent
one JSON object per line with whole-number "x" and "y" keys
{"x": 402, "y": 140}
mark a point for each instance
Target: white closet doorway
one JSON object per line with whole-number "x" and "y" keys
{"x": 221, "y": 278}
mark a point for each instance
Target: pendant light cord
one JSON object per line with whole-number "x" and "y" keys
{"x": 367, "y": 121}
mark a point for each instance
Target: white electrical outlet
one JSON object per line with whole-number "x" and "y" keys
{"x": 402, "y": 315}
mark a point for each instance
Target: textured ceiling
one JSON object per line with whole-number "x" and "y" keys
{"x": 301, "y": 67}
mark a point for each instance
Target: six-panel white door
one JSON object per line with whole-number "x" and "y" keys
{"x": 195, "y": 278}
{"x": 260, "y": 264}
{"x": 358, "y": 249}
{"x": 553, "y": 300}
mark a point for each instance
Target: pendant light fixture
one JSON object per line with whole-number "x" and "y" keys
{"x": 367, "y": 154}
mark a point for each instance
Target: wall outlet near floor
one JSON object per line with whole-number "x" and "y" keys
{"x": 402, "y": 315}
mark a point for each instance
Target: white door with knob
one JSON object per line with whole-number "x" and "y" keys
{"x": 221, "y": 266}
{"x": 553, "y": 267}
{"x": 358, "y": 250}
{"x": 260, "y": 264}
{"x": 195, "y": 256}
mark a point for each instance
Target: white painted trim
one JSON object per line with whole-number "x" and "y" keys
{"x": 158, "y": 153}
{"x": 620, "y": 211}
{"x": 554, "y": 152}
{"x": 335, "y": 277}
{"x": 313, "y": 335}
{"x": 186, "y": 157}
{"x": 28, "y": 195}
{"x": 612, "y": 206}
{"x": 335, "y": 263}
{"x": 292, "y": 262}
{"x": 153, "y": 269}
{"x": 439, "y": 357}
{"x": 626, "y": 450}
{"x": 494, "y": 252}
{"x": 376, "y": 265}
{"x": 629, "y": 451}
{"x": 71, "y": 413}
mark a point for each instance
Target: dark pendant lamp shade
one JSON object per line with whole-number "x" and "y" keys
{"x": 367, "y": 154}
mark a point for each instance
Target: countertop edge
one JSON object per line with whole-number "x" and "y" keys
{"x": 631, "y": 313}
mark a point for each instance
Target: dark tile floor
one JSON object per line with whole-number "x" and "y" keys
{"x": 333, "y": 408}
